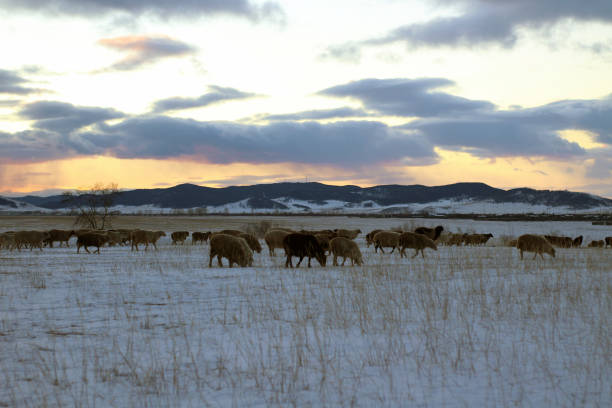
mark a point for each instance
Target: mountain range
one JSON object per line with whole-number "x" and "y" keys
{"x": 318, "y": 197}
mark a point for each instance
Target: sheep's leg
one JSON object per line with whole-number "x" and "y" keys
{"x": 288, "y": 262}
{"x": 521, "y": 251}
{"x": 535, "y": 255}
{"x": 343, "y": 260}
{"x": 381, "y": 249}
{"x": 335, "y": 260}
{"x": 309, "y": 261}
{"x": 211, "y": 255}
{"x": 85, "y": 246}
{"x": 300, "y": 261}
{"x": 219, "y": 261}
{"x": 392, "y": 249}
{"x": 98, "y": 251}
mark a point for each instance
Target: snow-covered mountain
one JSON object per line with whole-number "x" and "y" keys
{"x": 459, "y": 198}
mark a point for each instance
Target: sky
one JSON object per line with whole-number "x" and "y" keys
{"x": 151, "y": 93}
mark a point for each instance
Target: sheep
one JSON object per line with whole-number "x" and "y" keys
{"x": 235, "y": 249}
{"x": 346, "y": 248}
{"x": 30, "y": 239}
{"x": 179, "y": 237}
{"x": 596, "y": 244}
{"x": 370, "y": 237}
{"x": 577, "y": 242}
{"x": 386, "y": 239}
{"x": 252, "y": 241}
{"x": 456, "y": 239}
{"x": 274, "y": 239}
{"x": 145, "y": 237}
{"x": 303, "y": 245}
{"x": 59, "y": 235}
{"x": 608, "y": 241}
{"x": 7, "y": 240}
{"x": 416, "y": 241}
{"x": 534, "y": 243}
{"x": 431, "y": 233}
{"x": 350, "y": 234}
{"x": 91, "y": 239}
{"x": 114, "y": 237}
{"x": 199, "y": 237}
{"x": 476, "y": 239}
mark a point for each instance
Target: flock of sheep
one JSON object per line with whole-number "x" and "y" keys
{"x": 238, "y": 247}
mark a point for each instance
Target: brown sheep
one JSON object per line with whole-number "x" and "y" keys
{"x": 608, "y": 241}
{"x": 346, "y": 248}
{"x": 350, "y": 234}
{"x": 235, "y": 249}
{"x": 416, "y": 241}
{"x": 199, "y": 237}
{"x": 30, "y": 239}
{"x": 476, "y": 239}
{"x": 431, "y": 233}
{"x": 303, "y": 245}
{"x": 179, "y": 237}
{"x": 62, "y": 236}
{"x": 145, "y": 237}
{"x": 7, "y": 240}
{"x": 596, "y": 244}
{"x": 274, "y": 239}
{"x": 456, "y": 239}
{"x": 577, "y": 242}
{"x": 386, "y": 239}
{"x": 252, "y": 241}
{"x": 91, "y": 239}
{"x": 536, "y": 244}
{"x": 370, "y": 237}
{"x": 114, "y": 237}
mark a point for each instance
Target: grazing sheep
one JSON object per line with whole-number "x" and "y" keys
{"x": 7, "y": 240}
{"x": 252, "y": 241}
{"x": 431, "y": 233}
{"x": 608, "y": 241}
{"x": 350, "y": 234}
{"x": 235, "y": 249}
{"x": 274, "y": 239}
{"x": 200, "y": 237}
{"x": 61, "y": 236}
{"x": 534, "y": 243}
{"x": 455, "y": 239}
{"x": 346, "y": 248}
{"x": 91, "y": 239}
{"x": 476, "y": 239}
{"x": 179, "y": 237}
{"x": 145, "y": 237}
{"x": 303, "y": 245}
{"x": 30, "y": 239}
{"x": 386, "y": 239}
{"x": 416, "y": 241}
{"x": 577, "y": 242}
{"x": 596, "y": 244}
{"x": 370, "y": 237}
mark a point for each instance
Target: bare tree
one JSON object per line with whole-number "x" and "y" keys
{"x": 92, "y": 207}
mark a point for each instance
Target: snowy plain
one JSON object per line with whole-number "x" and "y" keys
{"x": 465, "y": 326}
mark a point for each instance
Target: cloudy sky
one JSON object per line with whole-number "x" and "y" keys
{"x": 153, "y": 93}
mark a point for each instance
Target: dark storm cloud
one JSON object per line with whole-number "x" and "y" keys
{"x": 217, "y": 94}
{"x": 407, "y": 97}
{"x": 522, "y": 132}
{"x": 135, "y": 8}
{"x": 319, "y": 114}
{"x": 33, "y": 146}
{"x": 142, "y": 50}
{"x": 345, "y": 144}
{"x": 63, "y": 117}
{"x": 13, "y": 83}
{"x": 483, "y": 22}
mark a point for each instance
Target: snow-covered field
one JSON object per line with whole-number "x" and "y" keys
{"x": 462, "y": 327}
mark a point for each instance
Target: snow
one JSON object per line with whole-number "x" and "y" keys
{"x": 441, "y": 207}
{"x": 462, "y": 327}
